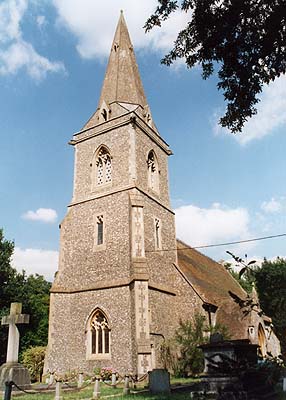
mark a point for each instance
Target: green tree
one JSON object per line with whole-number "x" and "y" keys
{"x": 246, "y": 280}
{"x": 181, "y": 354}
{"x": 6, "y": 271}
{"x": 6, "y": 274}
{"x": 32, "y": 291}
{"x": 271, "y": 288}
{"x": 244, "y": 41}
{"x": 189, "y": 336}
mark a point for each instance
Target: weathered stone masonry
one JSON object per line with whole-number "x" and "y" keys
{"x": 122, "y": 287}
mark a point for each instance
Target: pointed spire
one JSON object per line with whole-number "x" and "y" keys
{"x": 122, "y": 81}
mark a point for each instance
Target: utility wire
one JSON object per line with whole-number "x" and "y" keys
{"x": 221, "y": 244}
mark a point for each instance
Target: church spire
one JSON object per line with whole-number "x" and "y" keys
{"x": 122, "y": 81}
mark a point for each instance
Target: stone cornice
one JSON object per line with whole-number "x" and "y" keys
{"x": 111, "y": 285}
{"x": 100, "y": 286}
{"x": 129, "y": 118}
{"x": 162, "y": 288}
{"x": 94, "y": 196}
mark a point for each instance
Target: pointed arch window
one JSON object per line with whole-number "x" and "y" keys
{"x": 98, "y": 336}
{"x": 158, "y": 240}
{"x": 153, "y": 172}
{"x": 103, "y": 168}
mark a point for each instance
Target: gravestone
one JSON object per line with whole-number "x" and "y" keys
{"x": 12, "y": 370}
{"x": 159, "y": 381}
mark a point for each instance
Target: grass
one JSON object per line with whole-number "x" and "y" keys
{"x": 115, "y": 393}
{"x": 87, "y": 394}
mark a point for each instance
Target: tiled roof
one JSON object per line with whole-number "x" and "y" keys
{"x": 213, "y": 283}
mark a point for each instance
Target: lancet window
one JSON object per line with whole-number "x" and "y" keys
{"x": 158, "y": 242}
{"x": 153, "y": 173}
{"x": 99, "y": 225}
{"x": 100, "y": 334}
{"x": 103, "y": 167}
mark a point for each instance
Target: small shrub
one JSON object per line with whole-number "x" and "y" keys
{"x": 33, "y": 359}
{"x": 181, "y": 354}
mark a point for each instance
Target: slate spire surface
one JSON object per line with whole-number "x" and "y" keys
{"x": 122, "y": 82}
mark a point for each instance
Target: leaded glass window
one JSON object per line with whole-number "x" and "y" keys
{"x": 99, "y": 229}
{"x": 100, "y": 334}
{"x": 103, "y": 167}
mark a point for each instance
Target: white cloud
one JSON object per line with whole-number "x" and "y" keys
{"x": 36, "y": 261}
{"x": 271, "y": 206}
{"x": 21, "y": 54}
{"x": 41, "y": 21}
{"x": 271, "y": 113}
{"x": 15, "y": 52}
{"x": 93, "y": 24}
{"x": 47, "y": 215}
{"x": 11, "y": 13}
{"x": 200, "y": 226}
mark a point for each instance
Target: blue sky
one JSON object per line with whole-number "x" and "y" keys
{"x": 53, "y": 56}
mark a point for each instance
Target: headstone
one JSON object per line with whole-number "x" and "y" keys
{"x": 159, "y": 381}
{"x": 12, "y": 370}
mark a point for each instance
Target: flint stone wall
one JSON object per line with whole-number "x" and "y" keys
{"x": 69, "y": 314}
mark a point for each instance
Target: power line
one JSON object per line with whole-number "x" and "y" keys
{"x": 221, "y": 244}
{"x": 240, "y": 241}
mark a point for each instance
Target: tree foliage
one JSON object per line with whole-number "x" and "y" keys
{"x": 270, "y": 283}
{"x": 33, "y": 358}
{"x": 271, "y": 287}
{"x": 244, "y": 40}
{"x": 246, "y": 280}
{"x": 189, "y": 336}
{"x": 181, "y": 353}
{"x": 32, "y": 291}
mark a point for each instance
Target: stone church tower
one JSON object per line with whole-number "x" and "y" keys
{"x": 116, "y": 278}
{"x": 124, "y": 282}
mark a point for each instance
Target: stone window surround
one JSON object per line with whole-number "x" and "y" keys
{"x": 96, "y": 219}
{"x": 103, "y": 113}
{"x": 158, "y": 233}
{"x": 94, "y": 169}
{"x": 89, "y": 354}
{"x": 153, "y": 171}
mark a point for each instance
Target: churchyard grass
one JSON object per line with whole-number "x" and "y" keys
{"x": 87, "y": 394}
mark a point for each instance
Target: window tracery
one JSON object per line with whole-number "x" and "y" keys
{"x": 103, "y": 164}
{"x": 99, "y": 335}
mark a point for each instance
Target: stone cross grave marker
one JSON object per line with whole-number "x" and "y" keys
{"x": 12, "y": 321}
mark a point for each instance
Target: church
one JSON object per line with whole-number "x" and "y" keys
{"x": 124, "y": 282}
